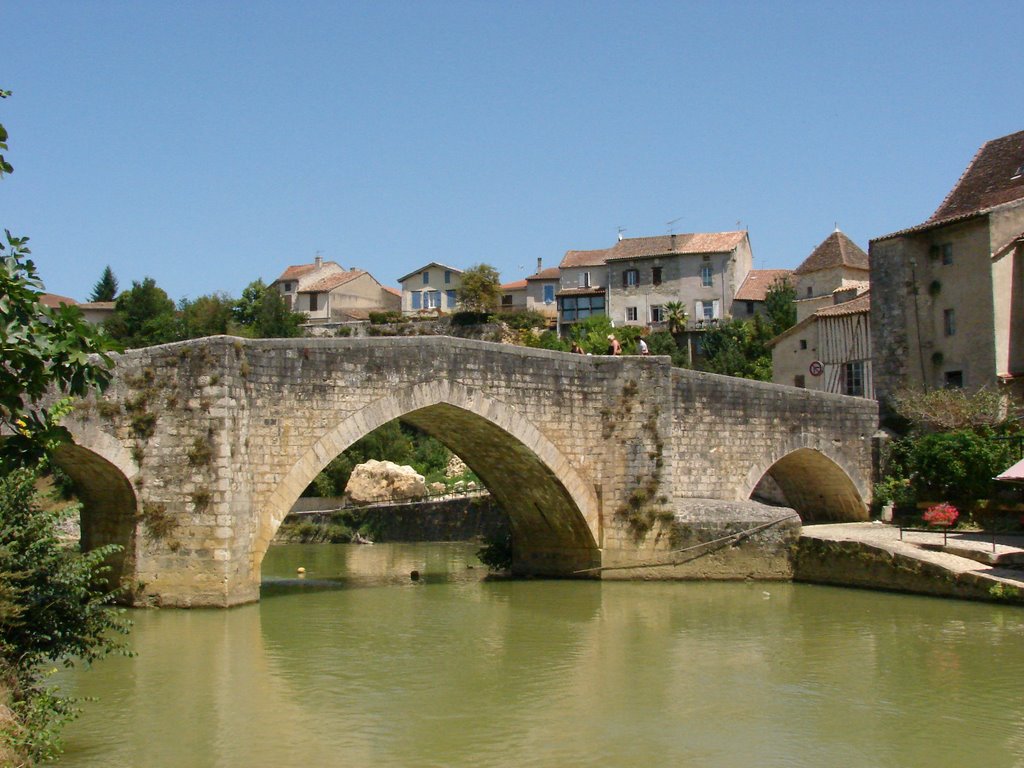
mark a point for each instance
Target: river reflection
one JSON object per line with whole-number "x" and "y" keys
{"x": 357, "y": 665}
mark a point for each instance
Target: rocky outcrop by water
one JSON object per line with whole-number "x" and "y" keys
{"x": 378, "y": 481}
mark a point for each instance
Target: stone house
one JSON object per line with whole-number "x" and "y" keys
{"x": 703, "y": 270}
{"x": 541, "y": 292}
{"x": 829, "y": 350}
{"x": 633, "y": 280}
{"x": 432, "y": 288}
{"x": 326, "y": 292}
{"x": 583, "y": 280}
{"x": 749, "y": 299}
{"x": 947, "y": 305}
{"x": 513, "y": 296}
{"x": 836, "y": 264}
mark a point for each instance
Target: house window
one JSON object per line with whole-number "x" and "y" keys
{"x": 954, "y": 379}
{"x": 656, "y": 275}
{"x": 585, "y": 280}
{"x": 450, "y": 297}
{"x": 707, "y": 310}
{"x": 947, "y": 253}
{"x": 417, "y": 299}
{"x": 657, "y": 314}
{"x": 706, "y": 275}
{"x": 431, "y": 299}
{"x": 949, "y": 321}
{"x": 630, "y": 314}
{"x": 447, "y": 277}
{"x": 803, "y": 343}
{"x": 506, "y": 300}
{"x": 810, "y": 290}
{"x": 750, "y": 307}
{"x": 630, "y": 277}
{"x": 287, "y": 287}
{"x": 426, "y": 278}
{"x": 312, "y": 302}
{"x": 853, "y": 378}
{"x": 799, "y": 381}
{"x": 549, "y": 294}
{"x": 580, "y": 307}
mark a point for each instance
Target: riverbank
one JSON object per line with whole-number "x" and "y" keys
{"x": 873, "y": 556}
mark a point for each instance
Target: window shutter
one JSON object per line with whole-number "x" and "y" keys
{"x": 714, "y": 310}
{"x": 416, "y": 300}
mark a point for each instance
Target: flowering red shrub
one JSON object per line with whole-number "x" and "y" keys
{"x": 941, "y": 514}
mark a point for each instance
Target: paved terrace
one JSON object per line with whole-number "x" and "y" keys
{"x": 874, "y": 555}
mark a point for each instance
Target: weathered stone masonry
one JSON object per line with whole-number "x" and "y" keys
{"x": 197, "y": 451}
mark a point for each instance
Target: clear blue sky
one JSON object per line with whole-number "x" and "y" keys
{"x": 207, "y": 144}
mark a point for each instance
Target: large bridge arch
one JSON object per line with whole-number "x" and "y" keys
{"x": 553, "y": 511}
{"x": 814, "y": 483}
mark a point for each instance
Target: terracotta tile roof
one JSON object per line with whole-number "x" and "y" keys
{"x": 98, "y": 305}
{"x": 518, "y": 285}
{"x": 836, "y": 250}
{"x": 995, "y": 176}
{"x": 393, "y": 291}
{"x": 332, "y": 281}
{"x": 55, "y": 300}
{"x": 695, "y": 242}
{"x": 757, "y": 282}
{"x": 428, "y": 266}
{"x": 551, "y": 273}
{"x": 584, "y": 258}
{"x": 593, "y": 291}
{"x": 296, "y": 271}
{"x": 662, "y": 245}
{"x": 852, "y": 307}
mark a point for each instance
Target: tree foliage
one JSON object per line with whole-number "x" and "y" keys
{"x": 954, "y": 443}
{"x": 953, "y": 409}
{"x": 480, "y": 289}
{"x": 262, "y": 313}
{"x": 53, "y": 603}
{"x": 780, "y": 305}
{"x": 143, "y": 315}
{"x": 42, "y": 348}
{"x": 209, "y": 315}
{"x": 675, "y": 316}
{"x": 737, "y": 348}
{"x": 106, "y": 287}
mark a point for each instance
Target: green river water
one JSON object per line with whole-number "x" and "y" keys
{"x": 357, "y": 665}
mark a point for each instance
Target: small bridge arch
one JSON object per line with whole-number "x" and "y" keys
{"x": 813, "y": 483}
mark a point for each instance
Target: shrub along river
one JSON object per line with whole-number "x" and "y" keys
{"x": 358, "y": 665}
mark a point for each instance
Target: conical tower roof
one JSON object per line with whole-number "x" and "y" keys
{"x": 836, "y": 250}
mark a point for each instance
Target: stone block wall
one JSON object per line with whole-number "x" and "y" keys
{"x": 593, "y": 458}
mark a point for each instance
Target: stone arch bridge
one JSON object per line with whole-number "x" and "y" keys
{"x": 196, "y": 452}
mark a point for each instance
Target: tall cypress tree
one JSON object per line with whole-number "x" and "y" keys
{"x": 106, "y": 288}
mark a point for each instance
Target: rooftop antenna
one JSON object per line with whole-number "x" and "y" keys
{"x": 671, "y": 225}
{"x": 621, "y": 230}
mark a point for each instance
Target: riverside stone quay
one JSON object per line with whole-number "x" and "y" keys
{"x": 606, "y": 466}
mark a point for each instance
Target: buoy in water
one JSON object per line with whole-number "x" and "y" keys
{"x": 301, "y": 571}
{"x": 415, "y": 575}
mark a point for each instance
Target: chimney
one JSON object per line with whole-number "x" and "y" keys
{"x": 319, "y": 261}
{"x": 673, "y": 246}
{"x": 539, "y": 262}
